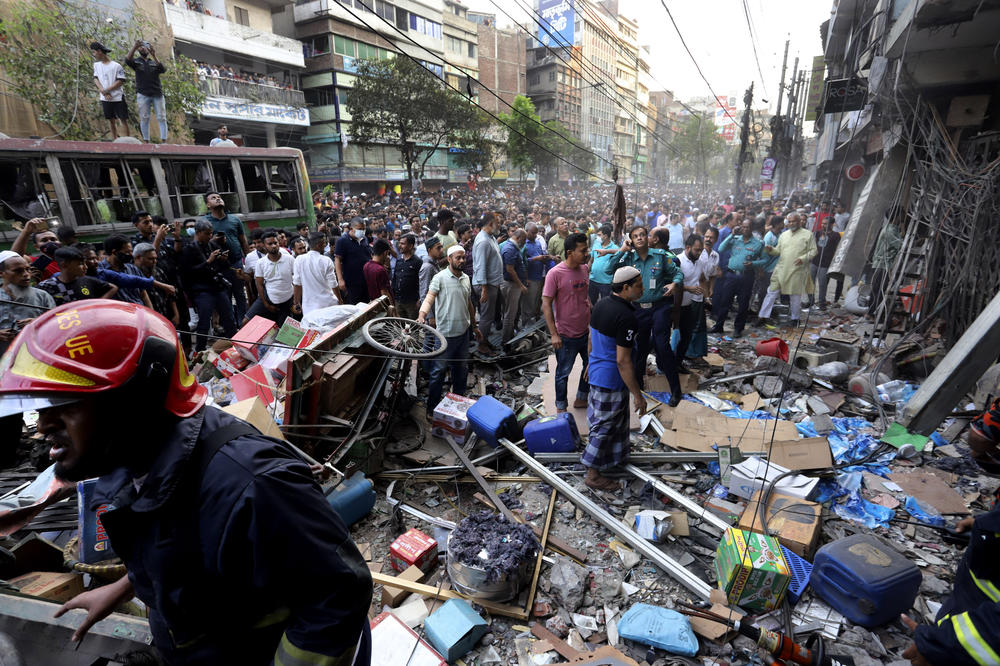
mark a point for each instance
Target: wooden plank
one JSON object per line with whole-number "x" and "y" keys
{"x": 541, "y": 552}
{"x": 558, "y": 644}
{"x": 434, "y": 593}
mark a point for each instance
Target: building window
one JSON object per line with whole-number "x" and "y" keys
{"x": 316, "y": 46}
{"x": 453, "y": 44}
{"x": 242, "y": 15}
{"x": 472, "y": 50}
{"x": 552, "y": 75}
{"x": 533, "y": 80}
{"x": 425, "y": 26}
{"x": 385, "y": 10}
{"x": 320, "y": 97}
{"x": 402, "y": 19}
{"x": 353, "y": 49}
{"x": 363, "y": 5}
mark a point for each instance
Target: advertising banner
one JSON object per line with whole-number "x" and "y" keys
{"x": 558, "y": 17}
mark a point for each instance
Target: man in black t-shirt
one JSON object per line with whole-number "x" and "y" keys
{"x": 149, "y": 92}
{"x": 72, "y": 283}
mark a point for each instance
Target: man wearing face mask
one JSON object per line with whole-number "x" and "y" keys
{"x": 119, "y": 259}
{"x": 350, "y": 254}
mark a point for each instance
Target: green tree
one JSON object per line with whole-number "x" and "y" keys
{"x": 524, "y": 135}
{"x": 398, "y": 103}
{"x": 701, "y": 151}
{"x": 44, "y": 50}
{"x": 480, "y": 146}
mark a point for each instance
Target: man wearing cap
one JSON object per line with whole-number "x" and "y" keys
{"x": 658, "y": 307}
{"x": 109, "y": 77}
{"x": 612, "y": 378}
{"x": 450, "y": 298}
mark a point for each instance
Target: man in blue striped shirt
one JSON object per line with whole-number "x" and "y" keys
{"x": 745, "y": 254}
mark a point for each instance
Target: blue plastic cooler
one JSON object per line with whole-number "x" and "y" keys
{"x": 868, "y": 581}
{"x": 491, "y": 419}
{"x": 552, "y": 434}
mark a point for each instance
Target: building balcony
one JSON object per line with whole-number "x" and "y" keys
{"x": 218, "y": 33}
{"x": 252, "y": 92}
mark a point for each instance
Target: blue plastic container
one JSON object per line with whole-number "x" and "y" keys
{"x": 865, "y": 579}
{"x": 801, "y": 570}
{"x": 491, "y": 419}
{"x": 552, "y": 434}
{"x": 353, "y": 498}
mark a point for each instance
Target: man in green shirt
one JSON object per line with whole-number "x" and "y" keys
{"x": 449, "y": 296}
{"x": 556, "y": 245}
{"x": 659, "y": 307}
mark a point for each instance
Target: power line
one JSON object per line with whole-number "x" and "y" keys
{"x": 696, "y": 65}
{"x": 594, "y": 70}
{"x": 488, "y": 89}
{"x": 753, "y": 43}
{"x": 484, "y": 109}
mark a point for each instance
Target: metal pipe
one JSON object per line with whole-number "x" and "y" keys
{"x": 668, "y": 564}
{"x": 647, "y": 457}
{"x": 690, "y": 506}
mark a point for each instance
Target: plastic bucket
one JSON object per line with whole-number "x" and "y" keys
{"x": 773, "y": 347}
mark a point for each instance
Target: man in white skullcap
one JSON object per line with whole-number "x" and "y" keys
{"x": 613, "y": 328}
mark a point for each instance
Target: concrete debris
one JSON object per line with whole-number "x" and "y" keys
{"x": 568, "y": 583}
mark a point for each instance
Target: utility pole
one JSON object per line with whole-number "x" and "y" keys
{"x": 744, "y": 140}
{"x": 781, "y": 86}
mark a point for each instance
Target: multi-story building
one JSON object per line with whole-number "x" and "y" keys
{"x": 502, "y": 63}
{"x": 334, "y": 40}
{"x": 249, "y": 71}
{"x": 665, "y": 126}
{"x": 554, "y": 85}
{"x": 461, "y": 48}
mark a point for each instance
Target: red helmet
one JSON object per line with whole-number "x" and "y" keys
{"x": 89, "y": 347}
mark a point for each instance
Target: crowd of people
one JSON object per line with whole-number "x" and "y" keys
{"x": 525, "y": 258}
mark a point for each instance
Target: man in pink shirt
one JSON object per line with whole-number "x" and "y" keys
{"x": 567, "y": 314}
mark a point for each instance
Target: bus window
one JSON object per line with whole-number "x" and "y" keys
{"x": 255, "y": 182}
{"x": 99, "y": 191}
{"x": 225, "y": 184}
{"x": 188, "y": 182}
{"x": 22, "y": 194}
{"x": 281, "y": 176}
{"x": 143, "y": 184}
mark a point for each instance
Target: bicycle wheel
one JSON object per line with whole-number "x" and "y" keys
{"x": 404, "y": 338}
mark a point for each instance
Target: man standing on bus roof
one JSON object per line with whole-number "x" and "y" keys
{"x": 223, "y": 140}
{"x": 109, "y": 77}
{"x": 148, "y": 91}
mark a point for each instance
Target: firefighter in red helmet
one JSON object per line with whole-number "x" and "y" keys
{"x": 226, "y": 536}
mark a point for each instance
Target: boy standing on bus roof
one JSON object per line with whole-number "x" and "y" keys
{"x": 109, "y": 77}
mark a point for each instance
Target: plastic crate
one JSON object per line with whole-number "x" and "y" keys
{"x": 801, "y": 569}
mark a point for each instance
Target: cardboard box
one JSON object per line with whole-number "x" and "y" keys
{"x": 796, "y": 521}
{"x": 254, "y": 412}
{"x": 49, "y": 585}
{"x": 414, "y": 548}
{"x": 751, "y": 570}
{"x": 451, "y": 412}
{"x": 254, "y": 381}
{"x": 391, "y": 596}
{"x": 230, "y": 361}
{"x": 442, "y": 431}
{"x": 251, "y": 341}
{"x": 807, "y": 453}
{"x": 94, "y": 544}
{"x": 454, "y": 629}
{"x": 746, "y": 478}
{"x": 395, "y": 644}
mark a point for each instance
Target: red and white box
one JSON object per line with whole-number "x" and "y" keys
{"x": 253, "y": 339}
{"x": 230, "y": 362}
{"x": 450, "y": 417}
{"x": 413, "y": 549}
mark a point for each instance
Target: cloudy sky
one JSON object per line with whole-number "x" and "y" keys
{"x": 716, "y": 32}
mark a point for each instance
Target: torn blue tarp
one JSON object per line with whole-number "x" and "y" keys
{"x": 860, "y": 510}
{"x": 736, "y": 413}
{"x": 923, "y": 512}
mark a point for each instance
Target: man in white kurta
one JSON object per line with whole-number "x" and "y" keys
{"x": 314, "y": 277}
{"x": 795, "y": 248}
